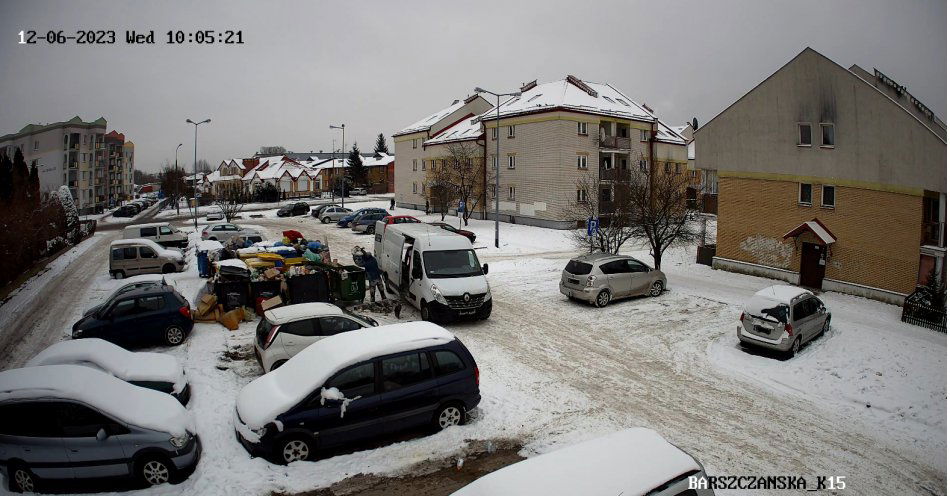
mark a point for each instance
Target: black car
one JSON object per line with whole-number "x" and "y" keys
{"x": 125, "y": 211}
{"x": 299, "y": 208}
{"x": 139, "y": 316}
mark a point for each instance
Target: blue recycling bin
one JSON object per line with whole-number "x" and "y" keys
{"x": 204, "y": 265}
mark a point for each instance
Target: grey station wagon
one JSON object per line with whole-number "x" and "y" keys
{"x": 782, "y": 318}
{"x": 599, "y": 278}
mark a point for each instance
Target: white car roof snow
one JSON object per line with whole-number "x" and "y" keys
{"x": 290, "y": 313}
{"x": 133, "y": 405}
{"x": 139, "y": 241}
{"x": 431, "y": 237}
{"x": 152, "y": 224}
{"x": 266, "y": 397}
{"x": 114, "y": 360}
{"x": 629, "y": 462}
{"x": 782, "y": 293}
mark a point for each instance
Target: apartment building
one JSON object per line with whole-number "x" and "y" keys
{"x": 117, "y": 176}
{"x": 127, "y": 174}
{"x": 829, "y": 178}
{"x": 549, "y": 136}
{"x": 68, "y": 153}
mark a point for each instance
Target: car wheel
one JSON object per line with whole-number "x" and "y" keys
{"x": 603, "y": 298}
{"x": 796, "y": 347}
{"x": 448, "y": 416}
{"x": 326, "y": 220}
{"x": 424, "y": 310}
{"x": 294, "y": 449}
{"x": 174, "y": 335}
{"x": 656, "y": 289}
{"x": 371, "y": 230}
{"x": 119, "y": 274}
{"x": 168, "y": 269}
{"x": 213, "y": 238}
{"x": 154, "y": 470}
{"x": 824, "y": 327}
{"x": 277, "y": 364}
{"x": 21, "y": 479}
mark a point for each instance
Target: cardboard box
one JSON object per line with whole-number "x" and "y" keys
{"x": 206, "y": 305}
{"x": 271, "y": 303}
{"x": 232, "y": 319}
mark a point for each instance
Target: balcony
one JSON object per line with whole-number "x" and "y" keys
{"x": 614, "y": 142}
{"x": 72, "y": 164}
{"x": 73, "y": 184}
{"x": 614, "y": 174}
{"x": 931, "y": 233}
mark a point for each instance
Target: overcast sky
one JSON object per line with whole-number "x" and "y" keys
{"x": 379, "y": 66}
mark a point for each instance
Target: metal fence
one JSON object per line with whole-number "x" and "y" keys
{"x": 918, "y": 311}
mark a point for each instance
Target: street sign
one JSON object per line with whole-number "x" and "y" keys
{"x": 593, "y": 226}
{"x": 461, "y": 206}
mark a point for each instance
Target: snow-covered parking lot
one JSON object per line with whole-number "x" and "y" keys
{"x": 867, "y": 401}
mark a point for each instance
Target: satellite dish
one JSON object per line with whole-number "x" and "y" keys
{"x": 695, "y": 124}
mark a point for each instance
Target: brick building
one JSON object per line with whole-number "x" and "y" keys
{"x": 830, "y": 178}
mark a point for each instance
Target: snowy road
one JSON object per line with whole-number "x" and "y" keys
{"x": 553, "y": 373}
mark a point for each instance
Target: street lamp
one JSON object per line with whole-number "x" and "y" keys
{"x": 497, "y": 150}
{"x": 189, "y": 121}
{"x": 341, "y": 127}
{"x": 177, "y": 184}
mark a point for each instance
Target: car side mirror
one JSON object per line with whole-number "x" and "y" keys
{"x": 484, "y": 268}
{"x": 416, "y": 273}
{"x": 101, "y": 435}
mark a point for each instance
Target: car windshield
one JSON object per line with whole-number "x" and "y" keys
{"x": 578, "y": 268}
{"x": 768, "y": 309}
{"x": 451, "y": 263}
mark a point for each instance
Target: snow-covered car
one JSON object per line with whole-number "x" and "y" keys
{"x": 129, "y": 257}
{"x": 355, "y": 386}
{"x": 214, "y": 216}
{"x": 156, "y": 371}
{"x": 286, "y": 330}
{"x": 632, "y": 461}
{"x": 782, "y": 318}
{"x": 69, "y": 421}
{"x": 224, "y": 231}
{"x": 600, "y": 278}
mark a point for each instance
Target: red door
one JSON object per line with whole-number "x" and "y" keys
{"x": 812, "y": 266}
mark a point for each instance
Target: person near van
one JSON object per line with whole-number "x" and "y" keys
{"x": 392, "y": 204}
{"x": 427, "y": 207}
{"x": 373, "y": 277}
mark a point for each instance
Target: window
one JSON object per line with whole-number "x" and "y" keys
{"x": 804, "y": 134}
{"x": 667, "y": 167}
{"x": 511, "y": 192}
{"x": 643, "y": 166}
{"x": 582, "y": 128}
{"x": 644, "y": 135}
{"x": 83, "y": 157}
{"x": 605, "y": 195}
{"x": 146, "y": 252}
{"x": 623, "y": 164}
{"x": 423, "y": 164}
{"x": 511, "y": 131}
{"x": 828, "y": 196}
{"x": 615, "y": 267}
{"x": 36, "y": 145}
{"x": 335, "y": 325}
{"x": 491, "y": 189}
{"x": 511, "y": 161}
{"x": 303, "y": 327}
{"x": 405, "y": 370}
{"x": 81, "y": 421}
{"x": 582, "y": 161}
{"x": 494, "y": 133}
{"x": 358, "y": 380}
{"x": 582, "y": 196}
{"x": 636, "y": 266}
{"x": 494, "y": 161}
{"x": 32, "y": 419}
{"x": 415, "y": 165}
{"x": 129, "y": 253}
{"x": 84, "y": 139}
{"x": 827, "y": 135}
{"x": 151, "y": 303}
{"x": 804, "y": 194}
{"x": 148, "y": 231}
{"x": 414, "y": 188}
{"x": 123, "y": 308}
{"x": 415, "y": 143}
{"x": 606, "y": 163}
{"x": 447, "y": 362}
{"x": 165, "y": 230}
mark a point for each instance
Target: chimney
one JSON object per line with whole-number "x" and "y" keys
{"x": 528, "y": 86}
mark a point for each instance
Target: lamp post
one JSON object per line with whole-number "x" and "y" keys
{"x": 189, "y": 121}
{"x": 497, "y": 150}
{"x": 341, "y": 127}
{"x": 177, "y": 184}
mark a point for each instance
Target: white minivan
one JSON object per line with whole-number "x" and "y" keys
{"x": 160, "y": 232}
{"x": 434, "y": 270}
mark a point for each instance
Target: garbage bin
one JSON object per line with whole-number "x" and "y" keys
{"x": 232, "y": 294}
{"x": 308, "y": 288}
{"x": 347, "y": 282}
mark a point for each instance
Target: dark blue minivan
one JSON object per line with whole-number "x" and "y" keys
{"x": 139, "y": 315}
{"x": 331, "y": 394}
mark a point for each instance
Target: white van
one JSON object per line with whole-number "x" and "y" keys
{"x": 435, "y": 270}
{"x": 130, "y": 257}
{"x": 160, "y": 232}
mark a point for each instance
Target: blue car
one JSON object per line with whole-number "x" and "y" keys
{"x": 357, "y": 386}
{"x": 345, "y": 221}
{"x": 139, "y": 316}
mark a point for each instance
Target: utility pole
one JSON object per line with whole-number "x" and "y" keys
{"x": 177, "y": 184}
{"x": 497, "y": 152}
{"x": 189, "y": 121}
{"x": 341, "y": 127}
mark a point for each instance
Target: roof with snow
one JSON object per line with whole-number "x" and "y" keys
{"x": 378, "y": 160}
{"x": 290, "y": 313}
{"x": 425, "y": 123}
{"x": 276, "y": 167}
{"x": 782, "y": 292}
{"x": 466, "y": 129}
{"x": 815, "y": 227}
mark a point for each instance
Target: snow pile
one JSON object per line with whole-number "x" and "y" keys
{"x": 66, "y": 200}
{"x": 209, "y": 245}
{"x": 632, "y": 461}
{"x": 268, "y": 396}
{"x": 334, "y": 394}
{"x": 112, "y": 359}
{"x": 133, "y": 405}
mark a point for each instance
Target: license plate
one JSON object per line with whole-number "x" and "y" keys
{"x": 762, "y": 330}
{"x": 573, "y": 281}
{"x": 466, "y": 312}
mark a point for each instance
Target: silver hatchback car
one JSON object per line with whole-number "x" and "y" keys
{"x": 782, "y": 318}
{"x": 599, "y": 278}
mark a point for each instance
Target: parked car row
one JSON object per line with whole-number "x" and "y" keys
{"x": 89, "y": 409}
{"x": 293, "y": 209}
{"x": 223, "y": 231}
{"x": 134, "y": 207}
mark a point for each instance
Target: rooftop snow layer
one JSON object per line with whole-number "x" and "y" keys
{"x": 466, "y": 129}
{"x": 428, "y": 121}
{"x": 270, "y": 395}
{"x": 115, "y": 360}
{"x": 782, "y": 292}
{"x": 133, "y": 405}
{"x": 289, "y": 313}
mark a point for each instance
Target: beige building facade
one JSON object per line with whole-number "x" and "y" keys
{"x": 827, "y": 181}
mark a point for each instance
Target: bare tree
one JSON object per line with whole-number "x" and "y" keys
{"x": 204, "y": 167}
{"x": 608, "y": 203}
{"x": 172, "y": 182}
{"x": 660, "y": 211}
{"x": 466, "y": 175}
{"x": 439, "y": 188}
{"x": 232, "y": 201}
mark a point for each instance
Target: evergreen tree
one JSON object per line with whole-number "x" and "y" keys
{"x": 21, "y": 177}
{"x": 34, "y": 184}
{"x": 381, "y": 146}
{"x": 355, "y": 162}
{"x": 6, "y": 178}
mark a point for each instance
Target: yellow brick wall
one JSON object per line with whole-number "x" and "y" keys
{"x": 878, "y": 232}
